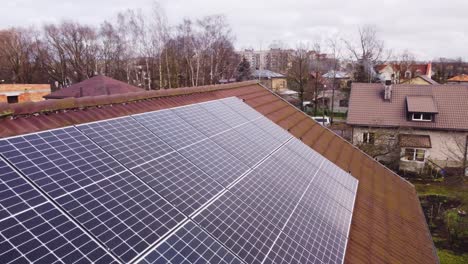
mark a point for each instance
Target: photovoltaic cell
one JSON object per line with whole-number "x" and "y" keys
{"x": 340, "y": 176}
{"x": 272, "y": 190}
{"x": 126, "y": 140}
{"x": 16, "y": 194}
{"x": 179, "y": 181}
{"x": 241, "y": 147}
{"x": 273, "y": 129}
{"x": 320, "y": 205}
{"x": 335, "y": 191}
{"x": 123, "y": 213}
{"x": 241, "y": 108}
{"x": 201, "y": 119}
{"x": 258, "y": 136}
{"x": 33, "y": 230}
{"x": 288, "y": 251}
{"x": 316, "y": 235}
{"x": 224, "y": 113}
{"x": 170, "y": 128}
{"x": 239, "y": 228}
{"x": 304, "y": 151}
{"x": 215, "y": 161}
{"x": 188, "y": 245}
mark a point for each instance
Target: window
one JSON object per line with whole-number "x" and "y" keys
{"x": 344, "y": 103}
{"x": 12, "y": 99}
{"x": 415, "y": 154}
{"x": 407, "y": 75}
{"x": 368, "y": 138}
{"x": 421, "y": 117}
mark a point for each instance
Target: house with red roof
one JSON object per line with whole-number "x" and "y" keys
{"x": 414, "y": 125}
{"x": 400, "y": 73}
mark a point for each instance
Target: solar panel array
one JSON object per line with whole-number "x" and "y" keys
{"x": 214, "y": 182}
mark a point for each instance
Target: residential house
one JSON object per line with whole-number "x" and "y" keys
{"x": 331, "y": 86}
{"x": 461, "y": 79}
{"x": 388, "y": 224}
{"x": 416, "y": 125}
{"x": 274, "y": 81}
{"x": 399, "y": 73}
{"x": 420, "y": 80}
{"x": 19, "y": 93}
{"x": 95, "y": 86}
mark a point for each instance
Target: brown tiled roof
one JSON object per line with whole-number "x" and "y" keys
{"x": 421, "y": 104}
{"x": 388, "y": 225}
{"x": 95, "y": 86}
{"x": 423, "y": 77}
{"x": 459, "y": 78}
{"x": 415, "y": 141}
{"x": 367, "y": 107}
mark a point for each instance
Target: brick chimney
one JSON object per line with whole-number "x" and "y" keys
{"x": 429, "y": 70}
{"x": 388, "y": 90}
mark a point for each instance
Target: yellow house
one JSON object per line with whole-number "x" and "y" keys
{"x": 420, "y": 80}
{"x": 274, "y": 81}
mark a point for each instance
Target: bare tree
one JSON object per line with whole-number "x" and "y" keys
{"x": 335, "y": 52}
{"x": 299, "y": 73}
{"x": 368, "y": 50}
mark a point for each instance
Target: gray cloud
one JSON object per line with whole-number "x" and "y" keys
{"x": 428, "y": 28}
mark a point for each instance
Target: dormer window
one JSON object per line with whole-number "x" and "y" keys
{"x": 421, "y": 117}
{"x": 421, "y": 108}
{"x": 407, "y": 75}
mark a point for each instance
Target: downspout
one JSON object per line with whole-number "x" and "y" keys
{"x": 465, "y": 157}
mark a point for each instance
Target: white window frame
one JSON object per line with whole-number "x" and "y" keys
{"x": 415, "y": 152}
{"x": 366, "y": 138}
{"x": 421, "y": 119}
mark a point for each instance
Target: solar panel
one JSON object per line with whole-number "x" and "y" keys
{"x": 273, "y": 129}
{"x": 224, "y": 113}
{"x": 259, "y": 136}
{"x": 215, "y": 161}
{"x": 321, "y": 205}
{"x": 126, "y": 140}
{"x": 238, "y": 227}
{"x": 215, "y": 182}
{"x": 241, "y": 147}
{"x": 179, "y": 181}
{"x": 334, "y": 190}
{"x": 340, "y": 176}
{"x": 241, "y": 108}
{"x": 190, "y": 244}
{"x": 112, "y": 204}
{"x": 288, "y": 251}
{"x": 201, "y": 119}
{"x": 316, "y": 234}
{"x": 32, "y": 229}
{"x": 170, "y": 128}
{"x": 273, "y": 190}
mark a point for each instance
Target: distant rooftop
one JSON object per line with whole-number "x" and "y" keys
{"x": 267, "y": 74}
{"x": 459, "y": 78}
{"x": 95, "y": 86}
{"x": 336, "y": 74}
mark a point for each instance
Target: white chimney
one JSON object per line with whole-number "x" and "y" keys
{"x": 388, "y": 90}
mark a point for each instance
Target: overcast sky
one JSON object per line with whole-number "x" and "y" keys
{"x": 428, "y": 28}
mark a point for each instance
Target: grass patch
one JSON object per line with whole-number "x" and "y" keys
{"x": 455, "y": 192}
{"x": 450, "y": 257}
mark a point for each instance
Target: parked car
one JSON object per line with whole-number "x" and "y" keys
{"x": 323, "y": 120}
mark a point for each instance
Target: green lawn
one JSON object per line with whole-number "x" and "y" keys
{"x": 459, "y": 193}
{"x": 449, "y": 257}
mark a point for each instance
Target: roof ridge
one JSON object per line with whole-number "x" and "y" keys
{"x": 28, "y": 108}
